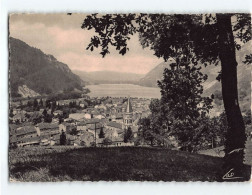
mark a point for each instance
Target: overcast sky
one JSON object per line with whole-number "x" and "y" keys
{"x": 61, "y": 35}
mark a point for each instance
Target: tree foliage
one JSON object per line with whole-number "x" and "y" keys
{"x": 48, "y": 118}
{"x": 181, "y": 110}
{"x": 145, "y": 130}
{"x": 167, "y": 34}
{"x": 107, "y": 141}
{"x": 73, "y": 131}
{"x": 183, "y": 104}
{"x": 128, "y": 135}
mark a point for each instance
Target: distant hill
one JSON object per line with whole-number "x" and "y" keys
{"x": 31, "y": 72}
{"x": 151, "y": 78}
{"x": 108, "y": 77}
{"x": 212, "y": 86}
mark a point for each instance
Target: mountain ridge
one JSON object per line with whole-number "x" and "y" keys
{"x": 150, "y": 79}
{"x": 108, "y": 77}
{"x": 39, "y": 72}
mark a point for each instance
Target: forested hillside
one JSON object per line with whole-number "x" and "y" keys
{"x": 30, "y": 68}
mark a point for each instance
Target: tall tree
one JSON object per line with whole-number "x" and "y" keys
{"x": 145, "y": 130}
{"x": 53, "y": 106}
{"x": 48, "y": 104}
{"x": 41, "y": 104}
{"x": 159, "y": 122}
{"x": 35, "y": 103}
{"x": 101, "y": 134}
{"x": 236, "y": 136}
{"x": 62, "y": 138}
{"x": 61, "y": 119}
{"x": 48, "y": 118}
{"x": 209, "y": 38}
{"x": 44, "y": 112}
{"x": 128, "y": 135}
{"x": 182, "y": 104}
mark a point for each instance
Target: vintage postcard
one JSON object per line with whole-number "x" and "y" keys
{"x": 129, "y": 97}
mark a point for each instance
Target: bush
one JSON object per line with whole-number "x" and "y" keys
{"x": 82, "y": 143}
{"x": 128, "y": 135}
{"x": 92, "y": 144}
{"x": 107, "y": 141}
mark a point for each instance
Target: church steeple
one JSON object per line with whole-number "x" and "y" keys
{"x": 128, "y": 115}
{"x": 129, "y": 107}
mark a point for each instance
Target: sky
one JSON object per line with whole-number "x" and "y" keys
{"x": 61, "y": 36}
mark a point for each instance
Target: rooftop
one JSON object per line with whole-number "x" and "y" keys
{"x": 115, "y": 125}
{"x": 25, "y": 130}
{"x": 48, "y": 126}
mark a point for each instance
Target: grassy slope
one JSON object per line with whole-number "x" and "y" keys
{"x": 110, "y": 164}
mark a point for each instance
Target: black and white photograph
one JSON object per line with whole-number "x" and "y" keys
{"x": 129, "y": 97}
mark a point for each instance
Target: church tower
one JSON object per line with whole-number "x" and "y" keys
{"x": 127, "y": 117}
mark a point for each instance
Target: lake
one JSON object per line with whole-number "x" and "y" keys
{"x": 123, "y": 90}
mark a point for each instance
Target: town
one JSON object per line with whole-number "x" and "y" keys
{"x": 85, "y": 121}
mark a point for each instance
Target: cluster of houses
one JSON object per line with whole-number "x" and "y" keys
{"x": 90, "y": 126}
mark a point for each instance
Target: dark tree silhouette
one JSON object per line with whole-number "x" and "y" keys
{"x": 48, "y": 104}
{"x": 36, "y": 120}
{"x": 146, "y": 130}
{"x": 62, "y": 138}
{"x": 106, "y": 141}
{"x": 48, "y": 118}
{"x": 101, "y": 134}
{"x": 44, "y": 112}
{"x": 73, "y": 131}
{"x": 35, "y": 103}
{"x": 128, "y": 135}
{"x": 41, "y": 103}
{"x": 53, "y": 106}
{"x": 61, "y": 119}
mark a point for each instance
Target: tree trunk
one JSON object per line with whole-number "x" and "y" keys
{"x": 236, "y": 137}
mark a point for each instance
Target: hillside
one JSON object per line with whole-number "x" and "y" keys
{"x": 108, "y": 77}
{"x": 33, "y": 72}
{"x": 212, "y": 86}
{"x": 150, "y": 79}
{"x": 111, "y": 164}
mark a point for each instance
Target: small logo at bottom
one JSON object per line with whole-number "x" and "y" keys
{"x": 230, "y": 175}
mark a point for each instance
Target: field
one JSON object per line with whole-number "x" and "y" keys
{"x": 111, "y": 164}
